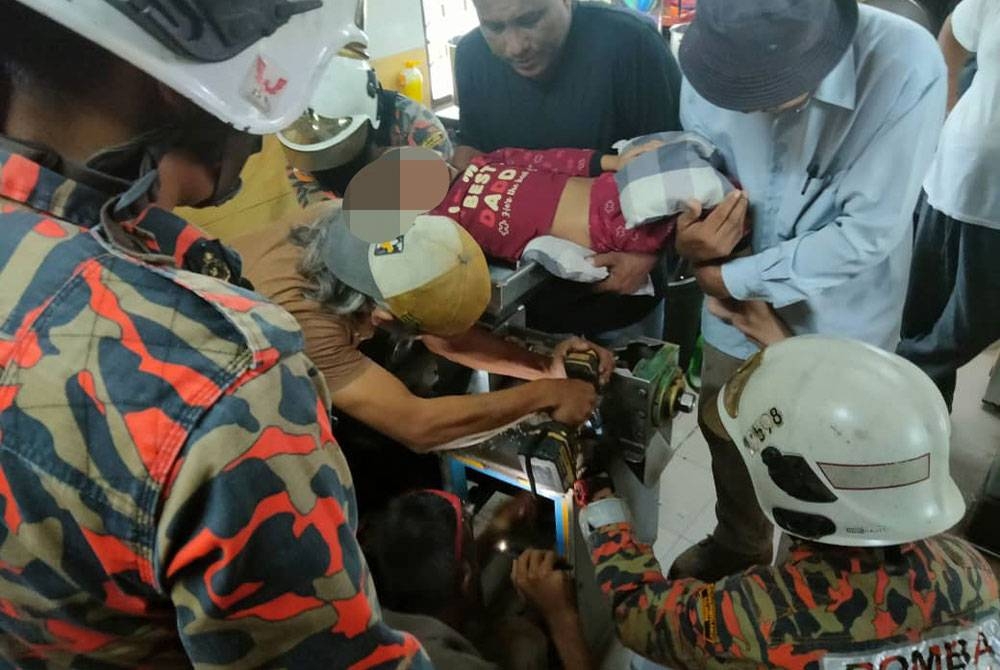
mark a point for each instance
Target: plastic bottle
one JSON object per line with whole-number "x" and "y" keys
{"x": 411, "y": 81}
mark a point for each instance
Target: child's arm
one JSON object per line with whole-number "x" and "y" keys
{"x": 573, "y": 162}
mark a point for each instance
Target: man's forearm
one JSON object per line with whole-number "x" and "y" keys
{"x": 567, "y": 633}
{"x": 648, "y": 610}
{"x": 444, "y": 420}
{"x": 955, "y": 57}
{"x": 479, "y": 349}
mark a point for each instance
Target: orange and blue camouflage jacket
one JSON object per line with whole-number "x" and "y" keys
{"x": 170, "y": 490}
{"x": 824, "y": 608}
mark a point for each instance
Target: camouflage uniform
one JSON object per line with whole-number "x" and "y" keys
{"x": 170, "y": 491}
{"x": 826, "y": 607}
{"x": 412, "y": 125}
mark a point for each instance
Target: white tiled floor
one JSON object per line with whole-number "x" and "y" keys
{"x": 687, "y": 494}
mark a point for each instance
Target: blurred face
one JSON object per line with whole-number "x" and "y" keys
{"x": 527, "y": 34}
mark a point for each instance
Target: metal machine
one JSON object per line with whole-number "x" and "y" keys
{"x": 637, "y": 408}
{"x": 634, "y": 419}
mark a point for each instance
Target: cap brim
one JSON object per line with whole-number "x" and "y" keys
{"x": 347, "y": 257}
{"x": 752, "y": 83}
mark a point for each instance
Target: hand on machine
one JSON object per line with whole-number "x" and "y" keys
{"x": 550, "y": 458}
{"x": 639, "y": 398}
{"x": 589, "y": 370}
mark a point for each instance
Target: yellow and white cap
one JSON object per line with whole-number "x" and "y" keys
{"x": 433, "y": 278}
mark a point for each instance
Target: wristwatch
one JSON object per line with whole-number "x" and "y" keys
{"x": 602, "y": 513}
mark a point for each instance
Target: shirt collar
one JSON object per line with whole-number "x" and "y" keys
{"x": 155, "y": 234}
{"x": 27, "y": 182}
{"x": 840, "y": 86}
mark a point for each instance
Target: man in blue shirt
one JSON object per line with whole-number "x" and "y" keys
{"x": 827, "y": 114}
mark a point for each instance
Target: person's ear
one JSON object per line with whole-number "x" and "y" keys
{"x": 381, "y": 316}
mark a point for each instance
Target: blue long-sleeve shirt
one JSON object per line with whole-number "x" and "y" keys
{"x": 832, "y": 186}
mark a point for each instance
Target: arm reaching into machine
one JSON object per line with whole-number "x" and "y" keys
{"x": 480, "y": 349}
{"x": 381, "y": 401}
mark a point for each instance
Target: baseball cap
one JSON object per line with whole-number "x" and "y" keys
{"x": 433, "y": 278}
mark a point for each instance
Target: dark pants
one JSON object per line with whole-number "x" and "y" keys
{"x": 741, "y": 525}
{"x": 952, "y": 308}
{"x": 382, "y": 468}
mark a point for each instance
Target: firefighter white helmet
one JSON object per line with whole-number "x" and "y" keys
{"x": 845, "y": 444}
{"x": 335, "y": 128}
{"x": 251, "y": 63}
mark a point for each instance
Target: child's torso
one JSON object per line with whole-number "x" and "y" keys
{"x": 504, "y": 207}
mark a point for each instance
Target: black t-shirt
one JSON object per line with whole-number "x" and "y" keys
{"x": 614, "y": 80}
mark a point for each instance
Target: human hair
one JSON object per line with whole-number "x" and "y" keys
{"x": 331, "y": 293}
{"x": 40, "y": 55}
{"x": 410, "y": 549}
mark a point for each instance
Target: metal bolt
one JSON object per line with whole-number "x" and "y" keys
{"x": 687, "y": 402}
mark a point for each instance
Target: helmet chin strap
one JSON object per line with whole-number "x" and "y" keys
{"x": 237, "y": 148}
{"x": 132, "y": 166}
{"x": 226, "y": 154}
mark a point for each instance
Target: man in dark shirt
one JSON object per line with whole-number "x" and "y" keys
{"x": 542, "y": 74}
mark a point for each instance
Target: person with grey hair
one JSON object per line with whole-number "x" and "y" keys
{"x": 433, "y": 283}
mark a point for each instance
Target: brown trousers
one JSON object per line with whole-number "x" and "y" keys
{"x": 741, "y": 525}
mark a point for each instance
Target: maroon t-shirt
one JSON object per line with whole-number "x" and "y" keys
{"x": 509, "y": 197}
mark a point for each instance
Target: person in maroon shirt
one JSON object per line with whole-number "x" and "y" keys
{"x": 509, "y": 197}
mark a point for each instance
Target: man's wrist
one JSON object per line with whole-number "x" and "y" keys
{"x": 564, "y": 618}
{"x": 609, "y": 163}
{"x": 709, "y": 276}
{"x": 542, "y": 394}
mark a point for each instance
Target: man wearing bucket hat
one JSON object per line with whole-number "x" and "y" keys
{"x": 826, "y": 112}
{"x": 847, "y": 450}
{"x": 172, "y": 493}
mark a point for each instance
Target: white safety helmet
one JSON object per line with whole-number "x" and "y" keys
{"x": 334, "y": 129}
{"x": 251, "y": 63}
{"x": 846, "y": 444}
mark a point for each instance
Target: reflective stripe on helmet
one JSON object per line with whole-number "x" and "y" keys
{"x": 878, "y": 476}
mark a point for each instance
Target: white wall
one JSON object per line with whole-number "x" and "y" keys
{"x": 394, "y": 26}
